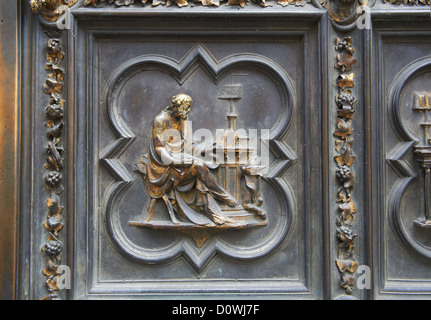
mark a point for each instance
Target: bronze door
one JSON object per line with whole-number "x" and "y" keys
{"x": 233, "y": 149}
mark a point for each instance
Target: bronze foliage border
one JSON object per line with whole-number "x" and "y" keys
{"x": 345, "y": 101}
{"x": 54, "y": 166}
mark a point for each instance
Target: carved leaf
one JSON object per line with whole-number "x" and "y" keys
{"x": 93, "y": 2}
{"x": 58, "y": 73}
{"x": 52, "y": 282}
{"x": 237, "y": 2}
{"x": 283, "y": 2}
{"x": 344, "y": 129}
{"x": 348, "y": 208}
{"x": 339, "y": 146}
{"x": 347, "y": 212}
{"x": 155, "y": 2}
{"x": 52, "y": 204}
{"x": 298, "y": 3}
{"x": 345, "y": 159}
{"x": 345, "y": 113}
{"x": 347, "y": 265}
{"x": 209, "y": 2}
{"x": 343, "y": 196}
{"x": 347, "y": 283}
{"x": 180, "y": 3}
{"x": 342, "y": 145}
{"x": 124, "y": 2}
{"x": 262, "y": 3}
{"x": 346, "y": 236}
{"x": 55, "y": 57}
{"x": 52, "y": 86}
{"x": 345, "y": 81}
{"x": 344, "y": 61}
{"x": 50, "y": 268}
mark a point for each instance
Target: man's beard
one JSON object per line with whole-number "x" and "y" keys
{"x": 182, "y": 114}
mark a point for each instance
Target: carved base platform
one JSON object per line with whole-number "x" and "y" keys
{"x": 424, "y": 224}
{"x": 201, "y": 233}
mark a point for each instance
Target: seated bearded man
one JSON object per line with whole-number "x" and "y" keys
{"x": 170, "y": 171}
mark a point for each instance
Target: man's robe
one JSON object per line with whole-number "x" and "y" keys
{"x": 190, "y": 190}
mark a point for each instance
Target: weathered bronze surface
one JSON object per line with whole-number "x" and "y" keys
{"x": 54, "y": 164}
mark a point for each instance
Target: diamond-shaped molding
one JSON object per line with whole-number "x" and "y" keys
{"x": 198, "y": 57}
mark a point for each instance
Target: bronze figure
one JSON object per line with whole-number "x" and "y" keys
{"x": 195, "y": 197}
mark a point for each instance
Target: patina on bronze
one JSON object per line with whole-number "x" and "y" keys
{"x": 192, "y": 189}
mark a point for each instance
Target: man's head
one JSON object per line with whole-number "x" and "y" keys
{"x": 180, "y": 105}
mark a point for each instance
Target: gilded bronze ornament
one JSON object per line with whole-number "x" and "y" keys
{"x": 54, "y": 165}
{"x": 183, "y": 3}
{"x": 346, "y": 261}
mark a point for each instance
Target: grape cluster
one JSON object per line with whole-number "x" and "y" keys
{"x": 345, "y": 234}
{"x": 344, "y": 45}
{"x": 54, "y": 111}
{"x": 343, "y": 173}
{"x": 53, "y": 247}
{"x": 54, "y": 45}
{"x": 341, "y": 45}
{"x": 344, "y": 99}
{"x": 53, "y": 178}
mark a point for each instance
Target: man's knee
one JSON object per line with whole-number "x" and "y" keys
{"x": 201, "y": 168}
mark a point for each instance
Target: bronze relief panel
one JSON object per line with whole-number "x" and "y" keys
{"x": 166, "y": 179}
{"x": 198, "y": 162}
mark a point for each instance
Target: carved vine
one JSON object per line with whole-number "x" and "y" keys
{"x": 54, "y": 112}
{"x": 52, "y": 10}
{"x": 341, "y": 11}
{"x": 182, "y": 3}
{"x": 345, "y": 101}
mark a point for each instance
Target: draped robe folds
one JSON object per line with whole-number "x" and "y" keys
{"x": 190, "y": 188}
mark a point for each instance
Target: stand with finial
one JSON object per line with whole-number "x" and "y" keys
{"x": 236, "y": 173}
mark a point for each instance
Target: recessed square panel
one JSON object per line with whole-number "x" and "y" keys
{"x": 226, "y": 221}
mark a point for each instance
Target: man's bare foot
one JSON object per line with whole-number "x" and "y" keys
{"x": 231, "y": 201}
{"x": 222, "y": 220}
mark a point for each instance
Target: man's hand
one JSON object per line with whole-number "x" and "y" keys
{"x": 182, "y": 159}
